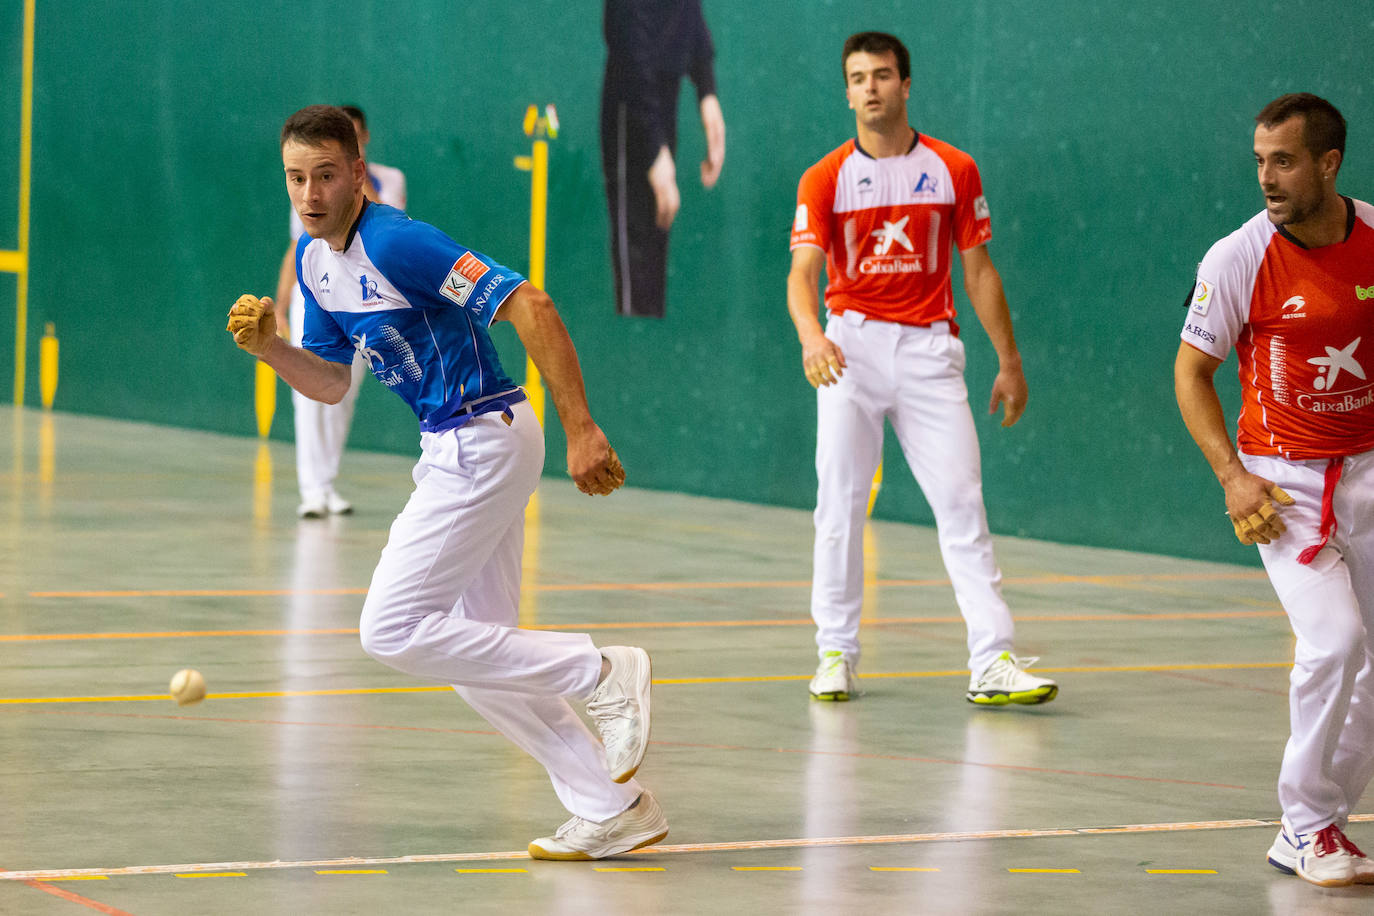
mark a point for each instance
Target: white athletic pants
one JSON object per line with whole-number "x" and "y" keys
{"x": 321, "y": 429}
{"x": 913, "y": 377}
{"x": 444, "y": 600}
{"x": 1330, "y": 604}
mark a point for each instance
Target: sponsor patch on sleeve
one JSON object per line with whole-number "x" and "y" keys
{"x": 1202, "y": 296}
{"x": 799, "y": 223}
{"x": 462, "y": 278}
{"x": 980, "y": 207}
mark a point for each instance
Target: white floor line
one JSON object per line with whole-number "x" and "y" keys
{"x": 741, "y": 845}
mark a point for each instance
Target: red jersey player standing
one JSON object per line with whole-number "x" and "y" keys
{"x": 1292, "y": 291}
{"x": 882, "y": 215}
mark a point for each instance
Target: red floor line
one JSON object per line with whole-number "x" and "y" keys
{"x": 77, "y": 898}
{"x": 1120, "y": 579}
{"x": 1144, "y": 617}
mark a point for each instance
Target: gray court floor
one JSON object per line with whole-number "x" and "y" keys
{"x": 315, "y": 780}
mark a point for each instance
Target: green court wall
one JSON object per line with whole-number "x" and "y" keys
{"x": 1113, "y": 139}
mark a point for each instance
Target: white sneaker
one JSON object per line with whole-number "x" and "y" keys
{"x": 835, "y": 679}
{"x": 1006, "y": 681}
{"x": 641, "y": 824}
{"x": 336, "y": 504}
{"x": 620, "y": 708}
{"x": 1326, "y": 858}
{"x": 314, "y": 504}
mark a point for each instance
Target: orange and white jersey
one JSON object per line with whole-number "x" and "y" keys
{"x": 1302, "y": 323}
{"x": 888, "y": 225}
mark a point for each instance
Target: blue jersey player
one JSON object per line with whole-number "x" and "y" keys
{"x": 444, "y": 597}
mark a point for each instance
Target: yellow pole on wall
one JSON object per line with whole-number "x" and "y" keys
{"x": 539, "y": 126}
{"x": 47, "y": 366}
{"x": 17, "y": 262}
{"x": 264, "y": 396}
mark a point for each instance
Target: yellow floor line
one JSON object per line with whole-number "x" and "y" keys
{"x": 658, "y": 682}
{"x": 238, "y": 869}
{"x": 1180, "y": 871}
{"x": 492, "y": 871}
{"x": 1044, "y": 871}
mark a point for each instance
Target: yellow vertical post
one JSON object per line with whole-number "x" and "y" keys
{"x": 539, "y": 210}
{"x": 47, "y": 365}
{"x": 537, "y": 164}
{"x": 264, "y": 397}
{"x": 18, "y": 261}
{"x": 539, "y": 126}
{"x": 874, "y": 488}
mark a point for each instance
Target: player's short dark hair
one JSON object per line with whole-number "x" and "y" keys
{"x": 316, "y": 125}
{"x": 876, "y": 43}
{"x": 356, "y": 113}
{"x": 1323, "y": 128}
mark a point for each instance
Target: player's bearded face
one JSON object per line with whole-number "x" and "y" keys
{"x": 324, "y": 186}
{"x": 1289, "y": 175}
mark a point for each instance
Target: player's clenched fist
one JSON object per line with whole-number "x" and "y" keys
{"x": 253, "y": 322}
{"x": 1263, "y": 525}
{"x": 604, "y": 479}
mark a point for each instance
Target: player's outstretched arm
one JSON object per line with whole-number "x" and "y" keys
{"x": 822, "y": 360}
{"x": 592, "y": 463}
{"x": 253, "y": 322}
{"x": 983, "y": 284}
{"x": 1249, "y": 497}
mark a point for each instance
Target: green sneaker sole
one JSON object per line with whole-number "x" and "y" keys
{"x": 1021, "y": 698}
{"x": 838, "y": 697}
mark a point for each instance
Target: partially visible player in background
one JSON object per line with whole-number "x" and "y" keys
{"x": 650, "y": 46}
{"x": 444, "y": 598}
{"x": 880, "y": 215}
{"x": 322, "y": 429}
{"x": 1292, "y": 291}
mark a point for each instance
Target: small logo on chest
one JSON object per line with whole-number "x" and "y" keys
{"x": 1293, "y": 308}
{"x": 369, "y": 288}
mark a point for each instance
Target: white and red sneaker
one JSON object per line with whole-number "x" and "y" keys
{"x": 1327, "y": 858}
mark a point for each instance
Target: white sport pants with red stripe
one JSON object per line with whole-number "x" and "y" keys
{"x": 445, "y": 597}
{"x": 321, "y": 429}
{"x": 913, "y": 377}
{"x": 1329, "y": 758}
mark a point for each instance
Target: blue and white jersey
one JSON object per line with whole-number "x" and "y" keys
{"x": 415, "y": 305}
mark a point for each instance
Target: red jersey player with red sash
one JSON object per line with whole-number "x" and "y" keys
{"x": 883, "y": 216}
{"x": 1292, "y": 291}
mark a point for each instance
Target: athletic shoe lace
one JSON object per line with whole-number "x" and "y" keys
{"x": 1349, "y": 846}
{"x": 1330, "y": 840}
{"x": 604, "y": 712}
{"x": 574, "y": 825}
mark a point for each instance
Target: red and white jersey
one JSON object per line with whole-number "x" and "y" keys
{"x": 888, "y": 225}
{"x": 1302, "y": 323}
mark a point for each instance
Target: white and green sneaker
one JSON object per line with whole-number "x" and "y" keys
{"x": 835, "y": 678}
{"x": 1006, "y": 681}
